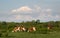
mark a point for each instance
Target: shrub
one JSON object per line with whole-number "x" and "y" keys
{"x": 0, "y": 34}
{"x": 4, "y": 33}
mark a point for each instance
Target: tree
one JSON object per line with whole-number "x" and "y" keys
{"x": 4, "y": 25}
{"x": 38, "y": 21}
{"x": 4, "y": 28}
{"x": 33, "y": 22}
{"x": 57, "y": 23}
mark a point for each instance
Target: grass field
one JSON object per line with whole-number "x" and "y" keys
{"x": 33, "y": 35}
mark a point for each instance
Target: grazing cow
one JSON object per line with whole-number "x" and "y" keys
{"x": 49, "y": 26}
{"x": 15, "y": 29}
{"x": 31, "y": 29}
{"x": 19, "y": 28}
{"x": 22, "y": 28}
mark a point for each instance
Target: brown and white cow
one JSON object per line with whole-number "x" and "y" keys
{"x": 19, "y": 28}
{"x": 31, "y": 29}
{"x": 22, "y": 28}
{"x": 49, "y": 26}
{"x": 15, "y": 29}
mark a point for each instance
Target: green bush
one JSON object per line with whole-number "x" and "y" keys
{"x": 4, "y": 34}
{"x": 0, "y": 34}
{"x": 42, "y": 31}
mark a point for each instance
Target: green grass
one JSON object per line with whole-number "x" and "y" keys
{"x": 33, "y": 35}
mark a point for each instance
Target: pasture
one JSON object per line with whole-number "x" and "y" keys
{"x": 42, "y": 30}
{"x": 32, "y": 35}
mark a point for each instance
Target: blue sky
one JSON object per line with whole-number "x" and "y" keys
{"x": 27, "y": 10}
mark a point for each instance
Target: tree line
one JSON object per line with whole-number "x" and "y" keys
{"x": 8, "y": 26}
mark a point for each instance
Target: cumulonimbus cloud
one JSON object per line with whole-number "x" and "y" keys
{"x": 23, "y": 17}
{"x": 43, "y": 14}
{"x": 22, "y": 9}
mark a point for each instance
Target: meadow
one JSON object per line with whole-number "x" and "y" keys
{"x": 42, "y": 32}
{"x": 32, "y": 35}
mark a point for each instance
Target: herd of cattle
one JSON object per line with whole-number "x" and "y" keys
{"x": 22, "y": 28}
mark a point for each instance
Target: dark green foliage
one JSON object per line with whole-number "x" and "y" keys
{"x": 0, "y": 34}
{"x": 41, "y": 27}
{"x": 3, "y": 25}
{"x": 38, "y": 21}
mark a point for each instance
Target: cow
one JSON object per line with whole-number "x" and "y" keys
{"x": 15, "y": 29}
{"x": 19, "y": 28}
{"x": 22, "y": 28}
{"x": 49, "y": 26}
{"x": 31, "y": 29}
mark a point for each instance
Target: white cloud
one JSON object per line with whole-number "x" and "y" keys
{"x": 57, "y": 17}
{"x": 42, "y": 14}
{"x": 14, "y": 10}
{"x": 23, "y": 9}
{"x": 23, "y": 17}
{"x": 37, "y": 8}
{"x": 48, "y": 10}
{"x": 45, "y": 15}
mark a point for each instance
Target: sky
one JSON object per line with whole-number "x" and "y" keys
{"x": 28, "y": 10}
